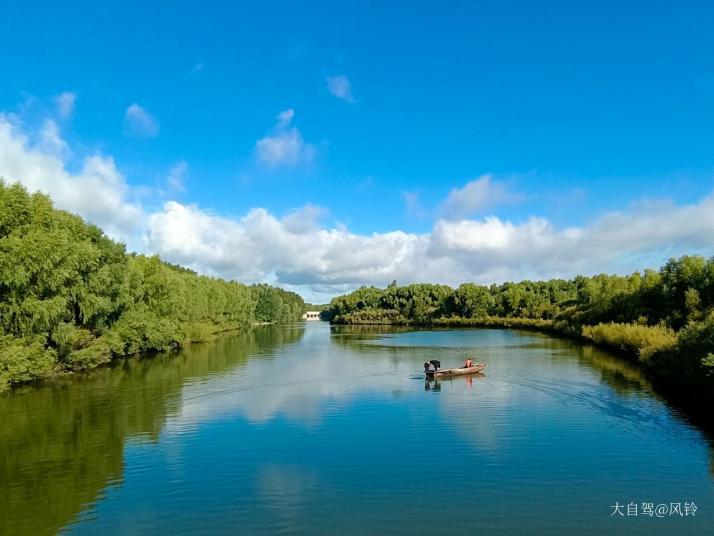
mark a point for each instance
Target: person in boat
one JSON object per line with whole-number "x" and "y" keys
{"x": 429, "y": 368}
{"x": 468, "y": 363}
{"x": 436, "y": 363}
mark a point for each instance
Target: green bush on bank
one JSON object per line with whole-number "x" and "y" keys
{"x": 499, "y": 322}
{"x": 697, "y": 339}
{"x": 24, "y": 359}
{"x": 693, "y": 355}
{"x": 636, "y": 339}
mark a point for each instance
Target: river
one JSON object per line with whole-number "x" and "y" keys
{"x": 318, "y": 430}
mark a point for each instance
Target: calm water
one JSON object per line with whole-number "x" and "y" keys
{"x": 316, "y": 430}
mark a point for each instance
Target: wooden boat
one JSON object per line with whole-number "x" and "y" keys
{"x": 461, "y": 371}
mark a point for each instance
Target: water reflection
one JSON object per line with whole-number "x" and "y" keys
{"x": 434, "y": 384}
{"x": 63, "y": 443}
{"x": 286, "y": 396}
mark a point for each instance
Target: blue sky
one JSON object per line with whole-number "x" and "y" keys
{"x": 572, "y": 112}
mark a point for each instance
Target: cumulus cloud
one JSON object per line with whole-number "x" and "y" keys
{"x": 138, "y": 122}
{"x": 476, "y": 196}
{"x": 260, "y": 246}
{"x": 305, "y": 219}
{"x": 641, "y": 237}
{"x": 340, "y": 87}
{"x": 285, "y": 146}
{"x": 65, "y": 104}
{"x": 98, "y": 192}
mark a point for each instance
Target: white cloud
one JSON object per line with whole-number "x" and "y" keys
{"x": 476, "y": 196}
{"x": 340, "y": 87}
{"x": 260, "y": 246}
{"x": 644, "y": 236}
{"x": 98, "y": 192}
{"x": 65, "y": 102}
{"x": 176, "y": 178}
{"x": 285, "y": 147}
{"x": 138, "y": 122}
{"x": 305, "y": 219}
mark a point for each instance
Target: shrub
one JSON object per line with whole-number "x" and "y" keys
{"x": 695, "y": 345}
{"x": 97, "y": 352}
{"x": 23, "y": 360}
{"x": 641, "y": 341}
{"x": 200, "y": 332}
{"x": 140, "y": 330}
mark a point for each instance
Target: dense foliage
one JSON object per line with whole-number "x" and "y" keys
{"x": 72, "y": 299}
{"x": 664, "y": 318}
{"x": 276, "y": 305}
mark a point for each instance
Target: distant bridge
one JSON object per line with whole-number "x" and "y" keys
{"x": 311, "y": 315}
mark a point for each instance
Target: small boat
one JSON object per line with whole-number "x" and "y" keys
{"x": 461, "y": 371}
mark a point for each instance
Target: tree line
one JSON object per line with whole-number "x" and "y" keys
{"x": 664, "y": 318}
{"x": 72, "y": 299}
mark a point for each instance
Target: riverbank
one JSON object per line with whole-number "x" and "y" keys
{"x": 44, "y": 366}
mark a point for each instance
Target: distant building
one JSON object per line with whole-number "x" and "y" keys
{"x": 311, "y": 315}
